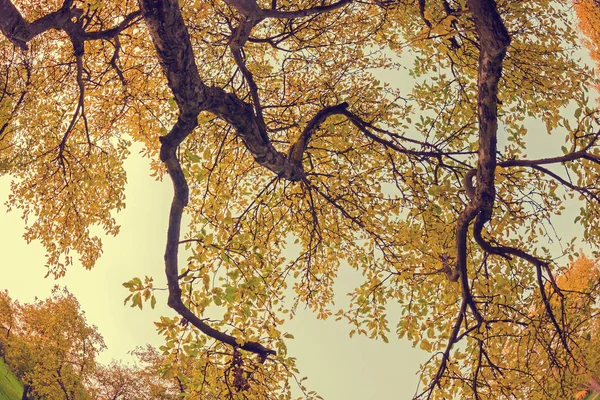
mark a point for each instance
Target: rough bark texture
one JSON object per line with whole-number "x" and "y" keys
{"x": 171, "y": 40}
{"x": 19, "y": 31}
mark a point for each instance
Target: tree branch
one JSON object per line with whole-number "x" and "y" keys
{"x": 446, "y": 354}
{"x": 236, "y": 44}
{"x": 494, "y": 40}
{"x": 250, "y": 9}
{"x": 173, "y": 46}
{"x": 297, "y": 149}
{"x": 304, "y": 13}
{"x": 129, "y": 20}
{"x": 19, "y": 31}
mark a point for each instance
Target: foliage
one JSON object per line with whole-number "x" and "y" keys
{"x": 570, "y": 373}
{"x": 581, "y": 283}
{"x": 118, "y": 381}
{"x": 588, "y": 11}
{"x": 293, "y": 162}
{"x": 52, "y": 349}
{"x": 7, "y": 320}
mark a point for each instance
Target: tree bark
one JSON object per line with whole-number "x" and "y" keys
{"x": 493, "y": 40}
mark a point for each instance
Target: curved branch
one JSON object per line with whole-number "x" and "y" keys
{"x": 298, "y": 148}
{"x": 180, "y": 199}
{"x": 19, "y": 31}
{"x": 173, "y": 46}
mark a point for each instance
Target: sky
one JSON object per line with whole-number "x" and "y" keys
{"x": 323, "y": 349}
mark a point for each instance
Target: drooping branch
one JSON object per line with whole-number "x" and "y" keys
{"x": 173, "y": 47}
{"x": 180, "y": 199}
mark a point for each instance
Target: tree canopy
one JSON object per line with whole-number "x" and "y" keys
{"x": 52, "y": 349}
{"x": 293, "y": 159}
{"x": 49, "y": 346}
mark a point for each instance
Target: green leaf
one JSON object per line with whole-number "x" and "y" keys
{"x": 192, "y": 157}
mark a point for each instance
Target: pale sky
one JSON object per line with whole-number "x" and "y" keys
{"x": 337, "y": 367}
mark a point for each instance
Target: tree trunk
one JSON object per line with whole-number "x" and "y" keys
{"x": 26, "y": 393}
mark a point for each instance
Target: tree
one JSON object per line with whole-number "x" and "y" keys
{"x": 118, "y": 381}
{"x": 587, "y": 11}
{"x": 571, "y": 374}
{"x": 291, "y": 159}
{"x": 581, "y": 284}
{"x": 53, "y": 350}
{"x": 7, "y": 320}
